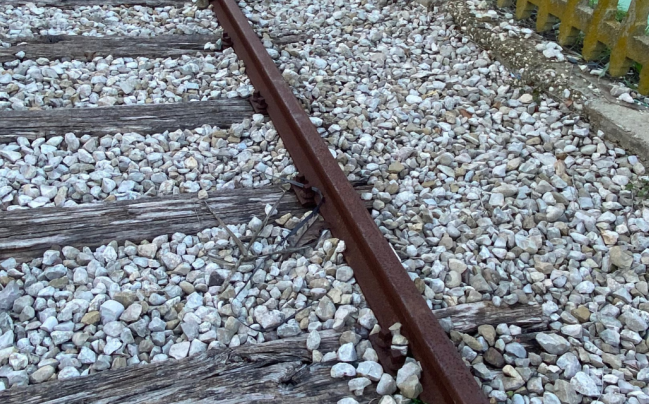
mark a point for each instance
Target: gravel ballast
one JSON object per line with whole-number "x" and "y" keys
{"x": 486, "y": 190}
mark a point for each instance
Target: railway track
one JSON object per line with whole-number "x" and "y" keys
{"x": 389, "y": 291}
{"x": 26, "y": 234}
{"x": 141, "y": 240}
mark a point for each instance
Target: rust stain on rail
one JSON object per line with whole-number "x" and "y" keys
{"x": 386, "y": 285}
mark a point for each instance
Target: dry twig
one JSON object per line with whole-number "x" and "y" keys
{"x": 247, "y": 256}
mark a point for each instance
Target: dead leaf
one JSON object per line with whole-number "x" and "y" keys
{"x": 430, "y": 94}
{"x": 560, "y": 167}
{"x": 465, "y": 113}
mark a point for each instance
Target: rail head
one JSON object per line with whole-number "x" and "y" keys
{"x": 386, "y": 285}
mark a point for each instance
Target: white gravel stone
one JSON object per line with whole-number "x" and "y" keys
{"x": 553, "y": 343}
{"x": 313, "y": 340}
{"x": 115, "y": 81}
{"x": 42, "y": 374}
{"x": 342, "y": 370}
{"x": 113, "y": 328}
{"x": 6, "y": 339}
{"x": 216, "y": 160}
{"x": 515, "y": 191}
{"x": 68, "y": 372}
{"x": 132, "y": 313}
{"x": 357, "y": 385}
{"x": 110, "y": 311}
{"x": 387, "y": 385}
{"x": 347, "y": 400}
{"x": 371, "y": 370}
{"x": 387, "y": 400}
{"x": 27, "y": 21}
{"x": 128, "y": 316}
{"x": 408, "y": 369}
{"x": 49, "y": 324}
{"x": 347, "y": 352}
{"x": 585, "y": 385}
{"x": 87, "y": 356}
{"x": 179, "y": 350}
{"x": 18, "y": 361}
{"x": 268, "y": 318}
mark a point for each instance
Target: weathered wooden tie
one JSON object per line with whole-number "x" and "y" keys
{"x": 80, "y": 47}
{"x": 88, "y": 47}
{"x": 143, "y": 119}
{"x": 278, "y": 371}
{"x": 26, "y": 233}
{"x": 91, "y": 3}
{"x": 467, "y": 317}
{"x": 275, "y": 371}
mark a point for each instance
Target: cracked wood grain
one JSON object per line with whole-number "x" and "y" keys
{"x": 90, "y": 3}
{"x": 54, "y": 47}
{"x": 467, "y": 317}
{"x": 27, "y": 233}
{"x": 88, "y": 47}
{"x": 278, "y": 371}
{"x": 143, "y": 119}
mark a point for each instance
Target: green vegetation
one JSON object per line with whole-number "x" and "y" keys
{"x": 622, "y": 11}
{"x": 639, "y": 188}
{"x": 605, "y": 69}
{"x": 631, "y": 80}
{"x": 637, "y": 67}
{"x": 603, "y": 61}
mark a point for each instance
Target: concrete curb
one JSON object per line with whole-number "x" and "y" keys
{"x": 625, "y": 125}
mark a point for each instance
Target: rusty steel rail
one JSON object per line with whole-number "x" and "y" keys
{"x": 387, "y": 287}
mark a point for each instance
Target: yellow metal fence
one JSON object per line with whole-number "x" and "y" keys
{"x": 626, "y": 39}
